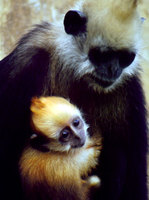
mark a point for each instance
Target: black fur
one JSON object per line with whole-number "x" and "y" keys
{"x": 119, "y": 115}
{"x": 110, "y": 63}
{"x": 75, "y": 22}
{"x": 17, "y": 86}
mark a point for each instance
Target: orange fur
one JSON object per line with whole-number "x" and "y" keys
{"x": 60, "y": 169}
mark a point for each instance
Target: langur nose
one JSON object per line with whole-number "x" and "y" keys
{"x": 79, "y": 141}
{"x": 95, "y": 56}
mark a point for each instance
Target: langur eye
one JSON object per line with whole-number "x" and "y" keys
{"x": 65, "y": 135}
{"x": 76, "y": 122}
{"x": 126, "y": 58}
{"x": 75, "y": 22}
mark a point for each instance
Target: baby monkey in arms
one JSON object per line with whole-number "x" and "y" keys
{"x": 56, "y": 163}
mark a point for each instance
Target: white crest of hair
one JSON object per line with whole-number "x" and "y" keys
{"x": 106, "y": 27}
{"x": 78, "y": 5}
{"x": 68, "y": 49}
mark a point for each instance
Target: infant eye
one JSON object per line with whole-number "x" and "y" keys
{"x": 65, "y": 135}
{"x": 76, "y": 122}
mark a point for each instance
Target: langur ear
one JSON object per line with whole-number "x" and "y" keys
{"x": 75, "y": 22}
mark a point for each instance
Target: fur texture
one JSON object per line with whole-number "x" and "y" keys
{"x": 56, "y": 173}
{"x": 50, "y": 61}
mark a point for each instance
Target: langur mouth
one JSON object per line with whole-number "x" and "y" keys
{"x": 77, "y": 145}
{"x": 104, "y": 80}
{"x": 107, "y": 78}
{"x": 104, "y": 83}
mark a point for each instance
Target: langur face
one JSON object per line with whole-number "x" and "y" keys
{"x": 104, "y": 53}
{"x": 58, "y": 125}
{"x": 74, "y": 135}
{"x": 71, "y": 136}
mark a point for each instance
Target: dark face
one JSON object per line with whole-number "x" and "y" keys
{"x": 108, "y": 63}
{"x": 74, "y": 134}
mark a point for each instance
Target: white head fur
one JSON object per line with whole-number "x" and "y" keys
{"x": 110, "y": 24}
